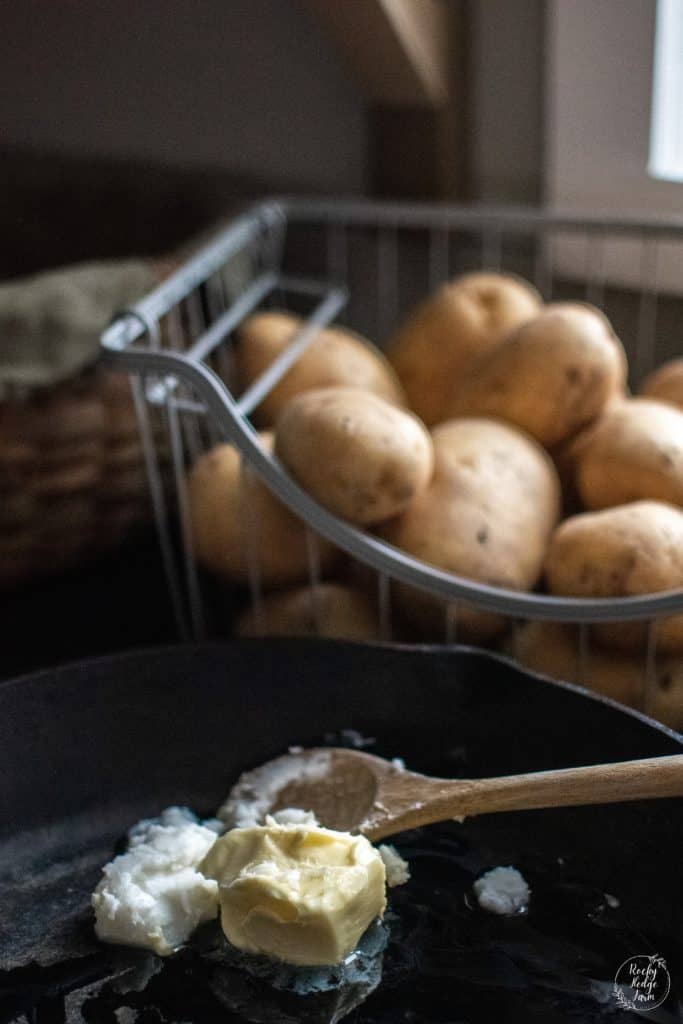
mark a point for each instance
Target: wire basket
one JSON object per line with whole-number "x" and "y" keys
{"x": 366, "y": 263}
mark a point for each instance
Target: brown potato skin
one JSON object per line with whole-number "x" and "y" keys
{"x": 223, "y": 500}
{"x": 666, "y": 383}
{"x": 621, "y": 552}
{"x": 566, "y": 457}
{"x": 355, "y": 453}
{"x": 552, "y": 649}
{"x": 487, "y": 515}
{"x": 634, "y": 453}
{"x": 332, "y": 610}
{"x": 448, "y": 330}
{"x": 551, "y": 378}
{"x": 335, "y": 356}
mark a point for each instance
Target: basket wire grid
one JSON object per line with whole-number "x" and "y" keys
{"x": 365, "y": 263}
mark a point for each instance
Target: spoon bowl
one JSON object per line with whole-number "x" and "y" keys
{"x": 351, "y": 791}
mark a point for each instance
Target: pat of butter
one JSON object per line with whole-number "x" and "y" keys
{"x": 296, "y": 893}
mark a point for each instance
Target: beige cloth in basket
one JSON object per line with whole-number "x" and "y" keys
{"x": 50, "y": 324}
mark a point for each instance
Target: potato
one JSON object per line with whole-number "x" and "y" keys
{"x": 621, "y": 552}
{"x": 552, "y": 377}
{"x": 666, "y": 383}
{"x": 434, "y": 347}
{"x": 552, "y": 649}
{"x": 566, "y": 458}
{"x": 359, "y": 456}
{"x": 635, "y": 452}
{"x": 664, "y": 699}
{"x": 327, "y": 609}
{"x": 487, "y": 515}
{"x": 335, "y": 356}
{"x": 227, "y": 503}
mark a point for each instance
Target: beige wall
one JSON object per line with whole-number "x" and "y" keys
{"x": 247, "y": 85}
{"x": 506, "y": 99}
{"x": 250, "y": 86}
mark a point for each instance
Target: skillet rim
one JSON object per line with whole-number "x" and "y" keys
{"x": 52, "y": 674}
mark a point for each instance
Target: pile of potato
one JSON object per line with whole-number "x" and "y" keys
{"x": 496, "y": 440}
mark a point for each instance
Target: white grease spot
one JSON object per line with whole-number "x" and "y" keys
{"x": 502, "y": 891}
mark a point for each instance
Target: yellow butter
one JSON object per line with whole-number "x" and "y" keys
{"x": 296, "y": 893}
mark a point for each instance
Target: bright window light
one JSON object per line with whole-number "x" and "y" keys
{"x": 666, "y": 132}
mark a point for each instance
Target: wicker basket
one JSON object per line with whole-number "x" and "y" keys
{"x": 72, "y": 473}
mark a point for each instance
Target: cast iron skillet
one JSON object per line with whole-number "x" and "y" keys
{"x": 87, "y": 749}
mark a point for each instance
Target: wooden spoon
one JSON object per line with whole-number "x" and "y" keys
{"x": 357, "y": 792}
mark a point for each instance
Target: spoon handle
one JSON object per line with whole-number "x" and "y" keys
{"x": 649, "y": 778}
